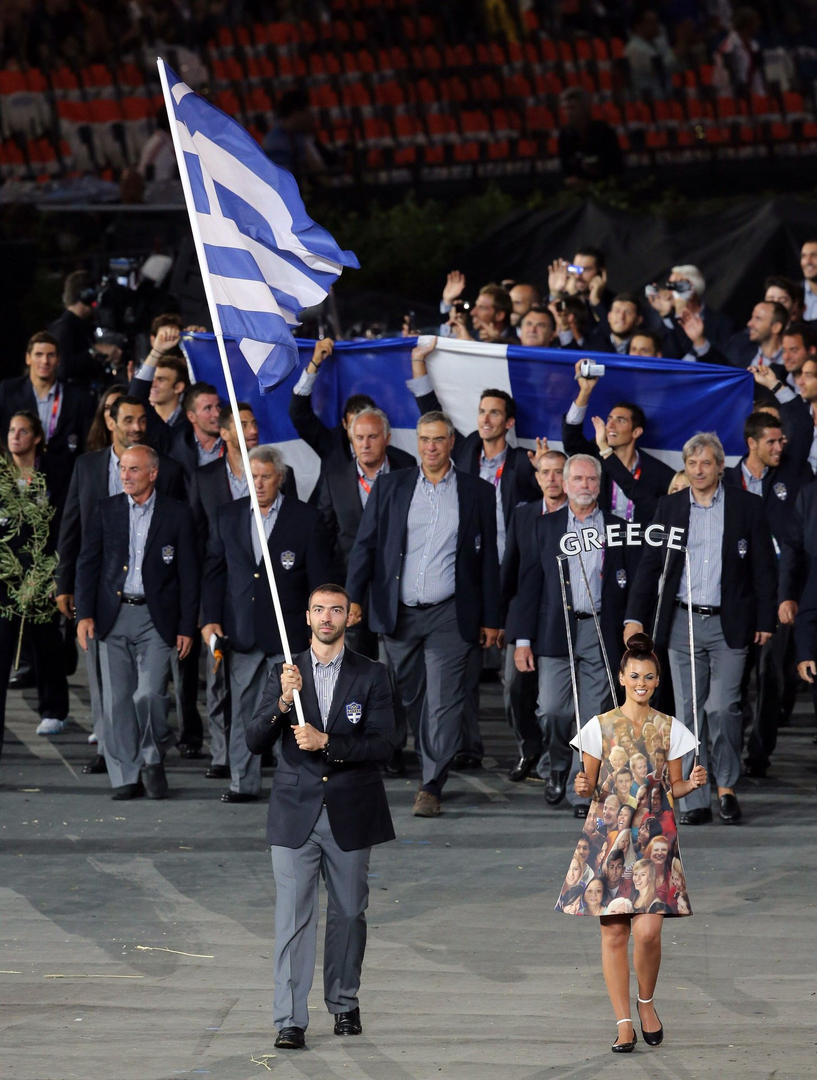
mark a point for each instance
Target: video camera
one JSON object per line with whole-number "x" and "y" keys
{"x": 125, "y": 300}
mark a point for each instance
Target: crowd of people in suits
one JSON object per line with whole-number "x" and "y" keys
{"x": 444, "y": 556}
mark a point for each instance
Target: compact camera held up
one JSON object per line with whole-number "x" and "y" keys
{"x": 589, "y": 370}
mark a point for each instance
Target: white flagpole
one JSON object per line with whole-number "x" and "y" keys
{"x": 228, "y": 378}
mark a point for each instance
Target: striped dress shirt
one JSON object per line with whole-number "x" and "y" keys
{"x": 593, "y": 564}
{"x": 705, "y": 543}
{"x": 429, "y": 566}
{"x": 364, "y": 484}
{"x": 269, "y": 520}
{"x": 139, "y": 527}
{"x": 488, "y": 469}
{"x": 325, "y": 677}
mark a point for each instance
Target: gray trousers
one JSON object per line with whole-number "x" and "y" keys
{"x": 218, "y": 705}
{"x": 95, "y": 690}
{"x": 296, "y": 872}
{"x": 718, "y": 672}
{"x": 432, "y": 665}
{"x": 556, "y": 709}
{"x": 249, "y": 672}
{"x": 135, "y": 666}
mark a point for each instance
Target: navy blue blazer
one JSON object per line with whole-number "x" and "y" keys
{"x": 347, "y": 778}
{"x": 89, "y": 484}
{"x": 644, "y": 492}
{"x": 519, "y": 541}
{"x": 328, "y": 443}
{"x": 518, "y": 481}
{"x": 236, "y": 591}
{"x": 800, "y": 545}
{"x": 376, "y": 560}
{"x": 780, "y": 486}
{"x": 170, "y": 568}
{"x": 748, "y": 570}
{"x": 541, "y": 615}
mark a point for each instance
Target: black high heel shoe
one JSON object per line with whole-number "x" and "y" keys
{"x": 651, "y": 1038}
{"x": 628, "y": 1047}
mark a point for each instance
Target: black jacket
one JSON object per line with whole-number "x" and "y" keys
{"x": 347, "y": 779}
{"x": 805, "y": 624}
{"x": 170, "y": 567}
{"x": 376, "y": 559}
{"x": 160, "y": 434}
{"x": 236, "y": 591}
{"x": 209, "y": 489}
{"x": 800, "y": 545}
{"x": 183, "y": 448}
{"x": 541, "y": 617}
{"x": 748, "y": 580}
{"x": 76, "y": 342}
{"x": 326, "y": 442}
{"x": 340, "y": 506}
{"x": 644, "y": 492}
{"x": 717, "y": 331}
{"x": 89, "y": 484}
{"x": 519, "y": 542}
{"x": 781, "y": 486}
{"x": 518, "y": 481}
{"x": 68, "y": 440}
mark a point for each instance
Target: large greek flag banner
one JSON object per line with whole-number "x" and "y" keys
{"x": 679, "y": 397}
{"x": 266, "y": 259}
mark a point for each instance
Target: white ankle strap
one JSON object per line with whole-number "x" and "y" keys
{"x": 627, "y": 1021}
{"x": 645, "y": 1001}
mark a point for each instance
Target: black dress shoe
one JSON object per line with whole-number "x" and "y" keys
{"x": 291, "y": 1039}
{"x": 756, "y": 770}
{"x": 97, "y": 764}
{"x": 701, "y": 816}
{"x": 155, "y": 781}
{"x": 395, "y": 766}
{"x": 628, "y": 1047}
{"x": 218, "y": 772}
{"x": 555, "y": 787}
{"x": 188, "y": 750}
{"x": 242, "y": 796}
{"x": 466, "y": 761}
{"x": 127, "y": 791}
{"x": 348, "y": 1023}
{"x": 580, "y": 811}
{"x": 729, "y": 809}
{"x": 522, "y": 769}
{"x": 22, "y": 679}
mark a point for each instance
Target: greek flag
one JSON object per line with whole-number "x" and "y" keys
{"x": 266, "y": 260}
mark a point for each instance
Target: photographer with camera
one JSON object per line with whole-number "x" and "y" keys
{"x": 585, "y": 277}
{"x": 632, "y": 480}
{"x": 677, "y": 301}
{"x": 575, "y": 327}
{"x": 83, "y": 359}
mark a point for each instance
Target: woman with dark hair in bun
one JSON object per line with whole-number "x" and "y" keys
{"x": 639, "y": 674}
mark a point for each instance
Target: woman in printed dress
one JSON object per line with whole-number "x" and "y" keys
{"x": 639, "y": 674}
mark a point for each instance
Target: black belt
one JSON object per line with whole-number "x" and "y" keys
{"x": 698, "y": 609}
{"x": 136, "y": 601}
{"x": 583, "y": 614}
{"x": 425, "y": 607}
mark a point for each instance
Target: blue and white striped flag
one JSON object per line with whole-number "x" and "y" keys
{"x": 265, "y": 257}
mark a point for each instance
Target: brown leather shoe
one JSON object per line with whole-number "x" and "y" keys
{"x": 426, "y": 804}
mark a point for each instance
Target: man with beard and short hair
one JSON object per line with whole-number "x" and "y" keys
{"x": 328, "y": 807}
{"x": 761, "y": 343}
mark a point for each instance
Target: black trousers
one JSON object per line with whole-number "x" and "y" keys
{"x": 48, "y": 662}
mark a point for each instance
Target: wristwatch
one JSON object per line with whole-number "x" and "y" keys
{"x": 284, "y": 706}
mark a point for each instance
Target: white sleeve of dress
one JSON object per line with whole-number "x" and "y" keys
{"x": 681, "y": 740}
{"x": 591, "y": 738}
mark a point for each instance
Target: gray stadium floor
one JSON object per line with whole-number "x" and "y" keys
{"x": 137, "y": 937}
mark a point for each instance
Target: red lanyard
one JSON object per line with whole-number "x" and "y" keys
{"x": 628, "y": 513}
{"x": 498, "y": 474}
{"x": 367, "y": 487}
{"x": 55, "y": 408}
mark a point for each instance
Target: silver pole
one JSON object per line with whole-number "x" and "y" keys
{"x": 661, "y": 584}
{"x": 598, "y": 631}
{"x": 692, "y": 655}
{"x": 560, "y": 559}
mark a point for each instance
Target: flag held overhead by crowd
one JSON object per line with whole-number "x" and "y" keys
{"x": 266, "y": 259}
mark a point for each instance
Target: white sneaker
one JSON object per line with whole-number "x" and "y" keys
{"x": 49, "y": 726}
{"x": 92, "y": 739}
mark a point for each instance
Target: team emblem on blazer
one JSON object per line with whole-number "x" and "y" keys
{"x": 287, "y": 559}
{"x": 354, "y": 712}
{"x": 621, "y": 579}
{"x": 168, "y": 553}
{"x": 780, "y": 491}
{"x": 743, "y": 547}
{"x": 477, "y": 542}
